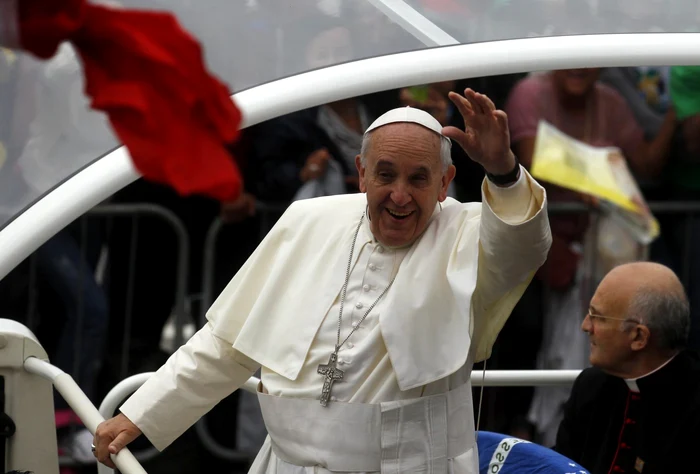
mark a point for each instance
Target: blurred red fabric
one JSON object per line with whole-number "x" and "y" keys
{"x": 148, "y": 75}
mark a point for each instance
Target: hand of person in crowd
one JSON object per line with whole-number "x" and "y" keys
{"x": 111, "y": 436}
{"x": 485, "y": 138}
{"x": 435, "y": 103}
{"x": 315, "y": 166}
{"x": 233, "y": 212}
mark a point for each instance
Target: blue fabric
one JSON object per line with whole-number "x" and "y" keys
{"x": 502, "y": 454}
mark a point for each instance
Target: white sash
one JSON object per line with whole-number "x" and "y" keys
{"x": 418, "y": 435}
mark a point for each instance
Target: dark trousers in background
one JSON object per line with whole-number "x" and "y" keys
{"x": 68, "y": 271}
{"x": 504, "y": 409}
{"x": 143, "y": 264}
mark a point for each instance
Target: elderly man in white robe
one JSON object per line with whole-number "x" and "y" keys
{"x": 366, "y": 312}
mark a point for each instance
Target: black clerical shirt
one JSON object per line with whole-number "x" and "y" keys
{"x": 610, "y": 428}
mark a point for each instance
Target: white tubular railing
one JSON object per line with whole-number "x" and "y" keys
{"x": 523, "y": 378}
{"x": 121, "y": 392}
{"x": 111, "y": 402}
{"x": 488, "y": 378}
{"x": 83, "y": 407}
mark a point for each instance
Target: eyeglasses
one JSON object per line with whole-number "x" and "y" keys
{"x": 597, "y": 317}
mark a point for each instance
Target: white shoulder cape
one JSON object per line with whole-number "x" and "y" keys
{"x": 462, "y": 277}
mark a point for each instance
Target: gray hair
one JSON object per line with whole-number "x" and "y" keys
{"x": 445, "y": 150}
{"x": 666, "y": 314}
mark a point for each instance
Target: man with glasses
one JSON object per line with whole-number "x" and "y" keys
{"x": 638, "y": 409}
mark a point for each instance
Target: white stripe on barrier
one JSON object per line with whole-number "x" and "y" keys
{"x": 501, "y": 454}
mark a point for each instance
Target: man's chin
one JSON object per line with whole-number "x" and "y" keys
{"x": 395, "y": 240}
{"x": 595, "y": 361}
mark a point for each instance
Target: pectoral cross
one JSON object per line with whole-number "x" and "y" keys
{"x": 331, "y": 375}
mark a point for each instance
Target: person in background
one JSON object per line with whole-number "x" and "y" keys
{"x": 646, "y": 91}
{"x": 311, "y": 153}
{"x": 308, "y": 146}
{"x": 637, "y": 410}
{"x": 432, "y": 98}
{"x": 64, "y": 134}
{"x": 682, "y": 175}
{"x": 575, "y": 102}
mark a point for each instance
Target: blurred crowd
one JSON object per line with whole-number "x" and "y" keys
{"x": 100, "y": 279}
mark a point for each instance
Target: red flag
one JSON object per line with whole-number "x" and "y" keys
{"x": 148, "y": 75}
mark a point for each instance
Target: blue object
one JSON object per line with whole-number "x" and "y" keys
{"x": 502, "y": 454}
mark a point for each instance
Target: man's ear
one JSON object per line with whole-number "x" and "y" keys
{"x": 361, "y": 173}
{"x": 641, "y": 337}
{"x": 447, "y": 178}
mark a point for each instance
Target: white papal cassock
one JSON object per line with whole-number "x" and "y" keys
{"x": 404, "y": 404}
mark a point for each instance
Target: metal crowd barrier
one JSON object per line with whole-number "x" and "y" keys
{"x": 181, "y": 279}
{"x": 183, "y": 258}
{"x": 136, "y": 211}
{"x": 265, "y": 212}
{"x": 690, "y": 209}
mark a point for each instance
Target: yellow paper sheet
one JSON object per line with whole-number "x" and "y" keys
{"x": 600, "y": 172}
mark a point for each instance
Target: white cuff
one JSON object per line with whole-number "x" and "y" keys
{"x": 513, "y": 204}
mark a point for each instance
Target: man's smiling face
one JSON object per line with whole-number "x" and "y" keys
{"x": 404, "y": 178}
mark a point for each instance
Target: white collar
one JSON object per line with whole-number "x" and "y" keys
{"x": 632, "y": 383}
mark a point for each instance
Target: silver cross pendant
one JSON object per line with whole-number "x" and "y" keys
{"x": 331, "y": 374}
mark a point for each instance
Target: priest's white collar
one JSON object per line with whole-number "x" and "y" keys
{"x": 632, "y": 383}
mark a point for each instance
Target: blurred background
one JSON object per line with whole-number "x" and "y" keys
{"x": 118, "y": 290}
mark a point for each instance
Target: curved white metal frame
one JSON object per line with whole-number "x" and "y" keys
{"x": 82, "y": 406}
{"x": 129, "y": 385}
{"x": 488, "y": 378}
{"x": 414, "y": 22}
{"x": 98, "y": 181}
{"x": 116, "y": 397}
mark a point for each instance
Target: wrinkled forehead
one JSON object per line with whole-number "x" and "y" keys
{"x": 405, "y": 140}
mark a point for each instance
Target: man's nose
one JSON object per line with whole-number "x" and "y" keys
{"x": 400, "y": 195}
{"x": 587, "y": 325}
